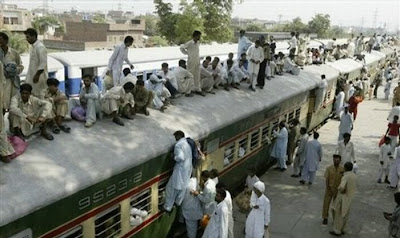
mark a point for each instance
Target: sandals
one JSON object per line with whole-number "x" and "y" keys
{"x": 55, "y": 129}
{"x": 65, "y": 128}
{"x": 47, "y": 136}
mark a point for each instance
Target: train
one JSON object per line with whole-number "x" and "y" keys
{"x": 84, "y": 184}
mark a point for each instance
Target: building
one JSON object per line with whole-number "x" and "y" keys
{"x": 86, "y": 35}
{"x": 14, "y": 19}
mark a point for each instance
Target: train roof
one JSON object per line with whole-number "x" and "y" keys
{"x": 345, "y": 66}
{"x": 52, "y": 64}
{"x": 373, "y": 58}
{"x": 50, "y": 171}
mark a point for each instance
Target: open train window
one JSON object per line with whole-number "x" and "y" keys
{"x": 275, "y": 125}
{"x": 161, "y": 191}
{"x": 73, "y": 233}
{"x": 297, "y": 116}
{"x": 229, "y": 153}
{"x": 108, "y": 223}
{"x": 327, "y": 96}
{"x": 254, "y": 139}
{"x": 142, "y": 200}
{"x": 291, "y": 116}
{"x": 242, "y": 147}
{"x": 265, "y": 133}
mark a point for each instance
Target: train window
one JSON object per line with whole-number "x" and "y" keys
{"x": 229, "y": 153}
{"x": 327, "y": 96}
{"x": 298, "y": 110}
{"x": 291, "y": 116}
{"x": 242, "y": 147}
{"x": 73, "y": 233}
{"x": 142, "y": 201}
{"x": 254, "y": 139}
{"x": 275, "y": 126}
{"x": 161, "y": 191}
{"x": 108, "y": 223}
{"x": 265, "y": 133}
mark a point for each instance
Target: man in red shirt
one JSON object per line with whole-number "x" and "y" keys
{"x": 353, "y": 104}
{"x": 393, "y": 132}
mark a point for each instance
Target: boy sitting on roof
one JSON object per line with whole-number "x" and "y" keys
{"x": 119, "y": 100}
{"x": 128, "y": 77}
{"x": 89, "y": 99}
{"x": 143, "y": 98}
{"x": 30, "y": 113}
{"x": 59, "y": 104}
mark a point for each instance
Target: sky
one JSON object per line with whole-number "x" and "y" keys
{"x": 342, "y": 12}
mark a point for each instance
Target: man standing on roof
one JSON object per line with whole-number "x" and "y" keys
{"x": 37, "y": 70}
{"x": 192, "y": 50}
{"x": 12, "y": 68}
{"x": 117, "y": 59}
{"x": 243, "y": 44}
{"x": 256, "y": 56}
{"x": 177, "y": 184}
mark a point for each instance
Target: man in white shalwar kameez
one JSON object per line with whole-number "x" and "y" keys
{"x": 280, "y": 147}
{"x": 192, "y": 50}
{"x": 37, "y": 70}
{"x": 313, "y": 157}
{"x": 339, "y": 101}
{"x": 300, "y": 153}
{"x": 184, "y": 79}
{"x": 243, "y": 44}
{"x": 171, "y": 83}
{"x": 257, "y": 222}
{"x": 394, "y": 173}
{"x": 346, "y": 123}
{"x": 161, "y": 94}
{"x": 191, "y": 209}
{"x": 394, "y": 112}
{"x": 385, "y": 159}
{"x": 229, "y": 204}
{"x": 128, "y": 77}
{"x": 117, "y": 59}
{"x": 255, "y": 56}
{"x": 177, "y": 184}
{"x": 207, "y": 195}
{"x": 216, "y": 70}
{"x": 321, "y": 92}
{"x": 343, "y": 200}
{"x": 218, "y": 225}
{"x": 345, "y": 149}
{"x": 206, "y": 78}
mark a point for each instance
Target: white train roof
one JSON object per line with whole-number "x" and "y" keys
{"x": 53, "y": 65}
{"x": 345, "y": 65}
{"x": 50, "y": 171}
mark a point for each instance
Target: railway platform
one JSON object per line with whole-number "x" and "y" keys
{"x": 296, "y": 209}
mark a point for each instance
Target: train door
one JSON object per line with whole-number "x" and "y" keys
{"x": 93, "y": 71}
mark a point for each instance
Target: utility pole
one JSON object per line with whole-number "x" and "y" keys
{"x": 45, "y": 7}
{"x": 362, "y": 24}
{"x": 279, "y": 18}
{"x": 120, "y": 5}
{"x": 375, "y": 18}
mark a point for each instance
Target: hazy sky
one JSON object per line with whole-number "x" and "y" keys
{"x": 342, "y": 12}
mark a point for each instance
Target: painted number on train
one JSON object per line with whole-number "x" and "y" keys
{"x": 110, "y": 191}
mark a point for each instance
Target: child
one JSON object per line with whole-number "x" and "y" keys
{"x": 243, "y": 199}
{"x": 370, "y": 90}
{"x": 385, "y": 155}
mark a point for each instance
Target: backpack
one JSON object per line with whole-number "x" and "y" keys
{"x": 195, "y": 152}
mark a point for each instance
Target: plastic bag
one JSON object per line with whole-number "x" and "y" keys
{"x": 18, "y": 144}
{"x": 78, "y": 113}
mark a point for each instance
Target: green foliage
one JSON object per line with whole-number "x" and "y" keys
{"x": 187, "y": 22}
{"x": 42, "y": 23}
{"x": 320, "y": 24}
{"x": 296, "y": 25}
{"x": 151, "y": 22}
{"x": 99, "y": 18}
{"x": 211, "y": 17}
{"x": 255, "y": 27}
{"x": 16, "y": 41}
{"x": 157, "y": 41}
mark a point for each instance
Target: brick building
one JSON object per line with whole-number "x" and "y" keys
{"x": 86, "y": 35}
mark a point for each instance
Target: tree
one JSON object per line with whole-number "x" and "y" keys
{"x": 217, "y": 19}
{"x": 41, "y": 24}
{"x": 187, "y": 22}
{"x": 17, "y": 41}
{"x": 168, "y": 19}
{"x": 255, "y": 27}
{"x": 151, "y": 22}
{"x": 99, "y": 18}
{"x": 157, "y": 41}
{"x": 320, "y": 24}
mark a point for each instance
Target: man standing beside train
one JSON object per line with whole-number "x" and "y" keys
{"x": 280, "y": 147}
{"x": 192, "y": 50}
{"x": 177, "y": 184}
{"x": 117, "y": 59}
{"x": 37, "y": 70}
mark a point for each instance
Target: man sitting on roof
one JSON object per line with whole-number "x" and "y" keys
{"x": 59, "y": 104}
{"x": 119, "y": 100}
{"x": 184, "y": 78}
{"x": 128, "y": 77}
{"x": 170, "y": 81}
{"x": 30, "y": 113}
{"x": 230, "y": 76}
{"x": 215, "y": 69}
{"x": 289, "y": 65}
{"x": 143, "y": 98}
{"x": 89, "y": 100}
{"x": 161, "y": 94}
{"x": 206, "y": 78}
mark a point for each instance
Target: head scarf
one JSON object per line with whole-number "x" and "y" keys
{"x": 260, "y": 186}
